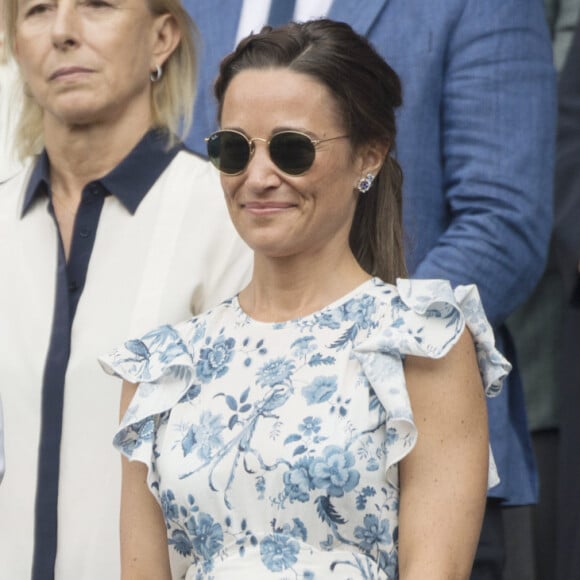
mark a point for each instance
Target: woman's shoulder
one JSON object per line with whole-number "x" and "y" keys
{"x": 192, "y": 167}
{"x": 415, "y": 293}
{"x": 13, "y": 180}
{"x": 411, "y": 302}
{"x": 168, "y": 349}
{"x": 196, "y": 183}
{"x": 426, "y": 318}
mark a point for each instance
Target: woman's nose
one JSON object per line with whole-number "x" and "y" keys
{"x": 261, "y": 171}
{"x": 65, "y": 25}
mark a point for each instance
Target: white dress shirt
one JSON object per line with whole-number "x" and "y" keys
{"x": 178, "y": 255}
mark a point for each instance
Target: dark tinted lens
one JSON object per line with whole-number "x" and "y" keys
{"x": 228, "y": 151}
{"x": 293, "y": 153}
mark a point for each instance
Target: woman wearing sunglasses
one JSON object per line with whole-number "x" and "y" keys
{"x": 330, "y": 419}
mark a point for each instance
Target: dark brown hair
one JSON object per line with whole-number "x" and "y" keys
{"x": 367, "y": 91}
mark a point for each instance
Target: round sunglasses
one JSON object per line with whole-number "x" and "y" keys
{"x": 291, "y": 151}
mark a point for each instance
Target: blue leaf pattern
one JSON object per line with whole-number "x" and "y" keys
{"x": 278, "y": 444}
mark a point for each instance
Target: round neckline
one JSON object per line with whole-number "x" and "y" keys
{"x": 332, "y": 305}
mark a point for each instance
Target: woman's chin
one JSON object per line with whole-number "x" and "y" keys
{"x": 75, "y": 116}
{"x": 83, "y": 114}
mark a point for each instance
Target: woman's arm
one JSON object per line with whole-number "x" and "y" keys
{"x": 144, "y": 552}
{"x": 444, "y": 479}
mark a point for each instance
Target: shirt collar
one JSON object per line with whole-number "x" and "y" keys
{"x": 129, "y": 182}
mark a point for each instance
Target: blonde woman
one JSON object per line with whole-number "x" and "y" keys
{"x": 111, "y": 227}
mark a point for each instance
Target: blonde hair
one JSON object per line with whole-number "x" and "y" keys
{"x": 172, "y": 97}
{"x": 3, "y": 52}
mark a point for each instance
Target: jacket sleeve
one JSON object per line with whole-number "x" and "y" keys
{"x": 498, "y": 118}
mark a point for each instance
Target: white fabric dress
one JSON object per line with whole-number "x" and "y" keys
{"x": 273, "y": 448}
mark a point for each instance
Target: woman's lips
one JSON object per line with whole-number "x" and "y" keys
{"x": 267, "y": 208}
{"x": 69, "y": 72}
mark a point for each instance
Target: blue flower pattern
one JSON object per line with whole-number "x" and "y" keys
{"x": 275, "y": 446}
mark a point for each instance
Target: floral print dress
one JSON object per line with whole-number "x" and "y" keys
{"x": 273, "y": 447}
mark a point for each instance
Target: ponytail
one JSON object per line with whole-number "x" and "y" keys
{"x": 376, "y": 236}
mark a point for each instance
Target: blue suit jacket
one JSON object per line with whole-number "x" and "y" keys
{"x": 476, "y": 143}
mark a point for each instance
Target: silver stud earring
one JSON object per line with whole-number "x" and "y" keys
{"x": 365, "y": 183}
{"x": 156, "y": 74}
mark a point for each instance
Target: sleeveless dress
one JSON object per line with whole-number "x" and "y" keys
{"x": 273, "y": 448}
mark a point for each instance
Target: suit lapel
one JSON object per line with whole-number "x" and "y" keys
{"x": 360, "y": 15}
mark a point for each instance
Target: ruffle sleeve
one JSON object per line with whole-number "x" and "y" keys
{"x": 427, "y": 318}
{"x": 161, "y": 363}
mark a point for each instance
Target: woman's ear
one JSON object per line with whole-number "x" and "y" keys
{"x": 166, "y": 37}
{"x": 372, "y": 157}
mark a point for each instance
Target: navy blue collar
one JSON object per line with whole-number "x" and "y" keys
{"x": 129, "y": 182}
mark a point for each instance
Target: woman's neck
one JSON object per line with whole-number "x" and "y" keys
{"x": 81, "y": 154}
{"x": 287, "y": 288}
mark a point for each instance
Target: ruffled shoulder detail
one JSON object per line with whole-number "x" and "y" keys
{"x": 424, "y": 318}
{"x": 161, "y": 362}
{"x": 148, "y": 358}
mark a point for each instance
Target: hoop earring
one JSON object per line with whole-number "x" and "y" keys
{"x": 156, "y": 75}
{"x": 365, "y": 183}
